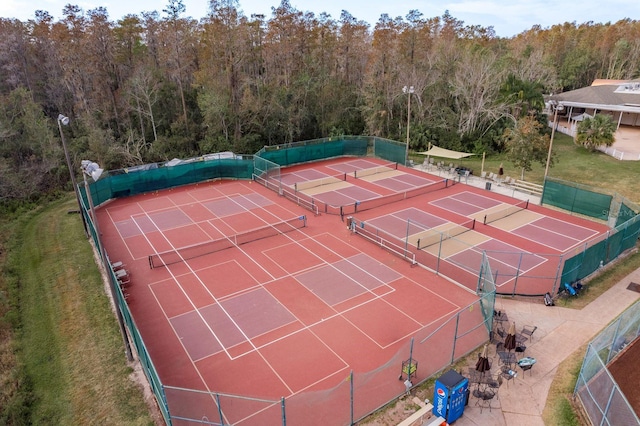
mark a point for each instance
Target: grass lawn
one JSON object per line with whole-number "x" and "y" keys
{"x": 69, "y": 355}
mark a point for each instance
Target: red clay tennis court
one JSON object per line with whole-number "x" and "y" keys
{"x": 246, "y": 300}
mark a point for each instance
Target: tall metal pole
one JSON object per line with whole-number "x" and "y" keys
{"x": 556, "y": 108}
{"x": 408, "y": 90}
{"x": 65, "y": 120}
{"x": 107, "y": 267}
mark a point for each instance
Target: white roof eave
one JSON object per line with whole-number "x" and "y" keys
{"x": 601, "y": 107}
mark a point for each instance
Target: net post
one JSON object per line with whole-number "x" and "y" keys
{"x": 295, "y": 187}
{"x": 283, "y": 411}
{"x": 473, "y": 224}
{"x": 406, "y": 239}
{"x": 526, "y": 206}
{"x": 355, "y": 174}
{"x": 485, "y": 219}
{"x": 150, "y": 262}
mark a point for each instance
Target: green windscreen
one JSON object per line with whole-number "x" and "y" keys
{"x": 576, "y": 198}
{"x": 390, "y": 150}
{"x": 155, "y": 177}
{"x": 315, "y": 150}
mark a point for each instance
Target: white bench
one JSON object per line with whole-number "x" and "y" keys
{"x": 529, "y": 187}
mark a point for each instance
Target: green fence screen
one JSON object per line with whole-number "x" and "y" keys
{"x": 315, "y": 150}
{"x": 625, "y": 213}
{"x": 322, "y": 149}
{"x": 158, "y": 176}
{"x": 576, "y": 198}
{"x": 599, "y": 253}
{"x": 390, "y": 150}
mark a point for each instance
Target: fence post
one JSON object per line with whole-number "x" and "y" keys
{"x": 284, "y": 412}
{"x": 515, "y": 283}
{"x": 439, "y": 253}
{"x": 351, "y": 385}
{"x": 455, "y": 338}
{"x": 219, "y": 409}
{"x": 406, "y": 241}
{"x": 556, "y": 284}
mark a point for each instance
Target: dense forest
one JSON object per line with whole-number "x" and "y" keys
{"x": 159, "y": 85}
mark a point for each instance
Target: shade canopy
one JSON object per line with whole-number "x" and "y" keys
{"x": 445, "y": 153}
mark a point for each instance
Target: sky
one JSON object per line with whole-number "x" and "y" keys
{"x": 507, "y": 17}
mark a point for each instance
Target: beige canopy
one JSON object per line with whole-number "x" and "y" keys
{"x": 435, "y": 151}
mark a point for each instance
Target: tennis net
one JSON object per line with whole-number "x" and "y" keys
{"x": 508, "y": 211}
{"x": 190, "y": 252}
{"x": 301, "y": 186}
{"x": 375, "y": 170}
{"x": 433, "y": 236}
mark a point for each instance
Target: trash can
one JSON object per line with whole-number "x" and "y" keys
{"x": 487, "y": 186}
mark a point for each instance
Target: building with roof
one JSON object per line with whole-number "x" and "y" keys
{"x": 617, "y": 98}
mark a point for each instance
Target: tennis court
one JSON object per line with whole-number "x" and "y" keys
{"x": 340, "y": 186}
{"x": 556, "y": 234}
{"x": 451, "y": 230}
{"x": 456, "y": 243}
{"x": 237, "y": 293}
{"x": 245, "y": 299}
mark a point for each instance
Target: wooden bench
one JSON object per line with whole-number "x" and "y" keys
{"x": 529, "y": 187}
{"x": 423, "y": 414}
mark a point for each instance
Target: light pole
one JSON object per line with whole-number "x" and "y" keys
{"x": 408, "y": 90}
{"x": 64, "y": 120}
{"x": 556, "y": 107}
{"x": 92, "y": 169}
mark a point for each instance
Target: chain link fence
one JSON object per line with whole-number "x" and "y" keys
{"x": 596, "y": 388}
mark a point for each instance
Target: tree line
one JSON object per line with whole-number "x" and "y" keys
{"x": 159, "y": 85}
